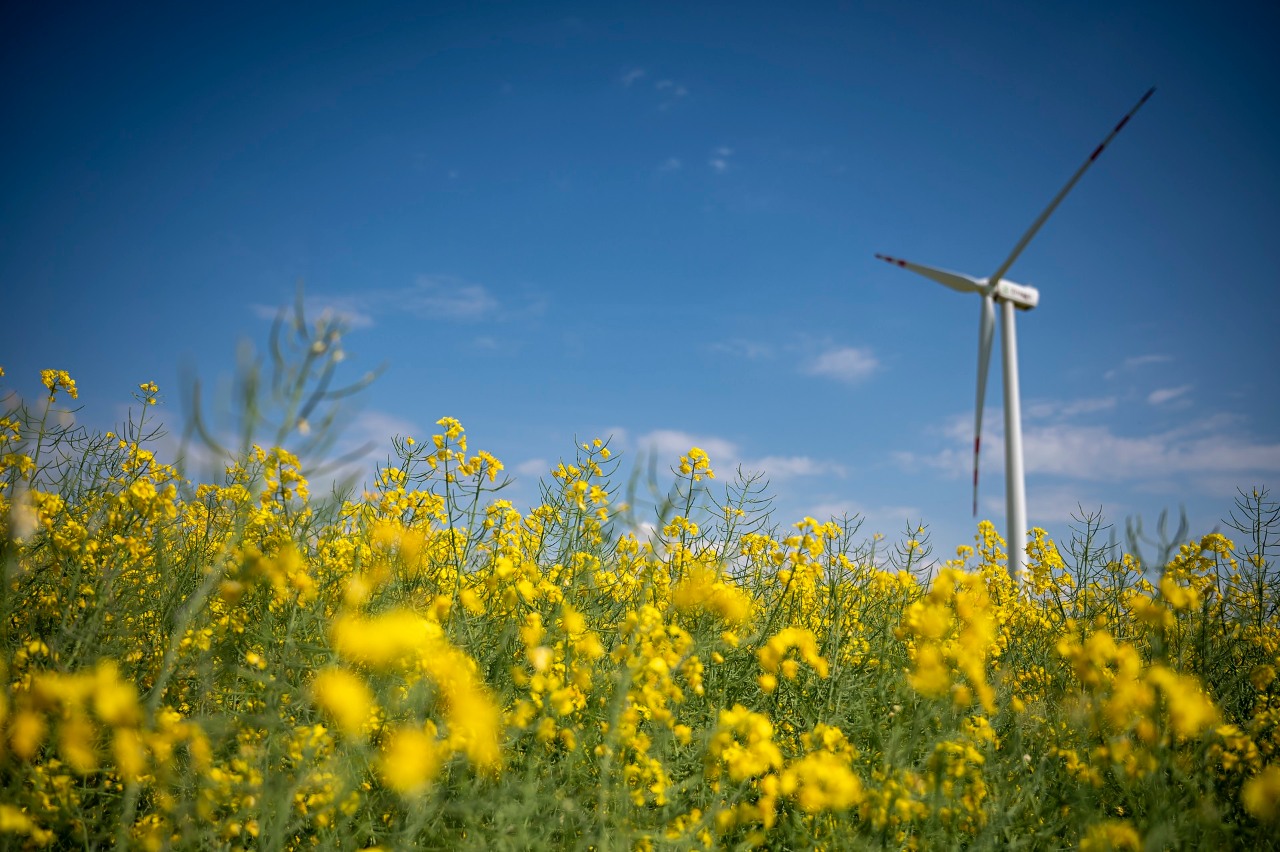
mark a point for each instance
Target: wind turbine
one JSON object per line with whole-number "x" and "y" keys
{"x": 1010, "y": 296}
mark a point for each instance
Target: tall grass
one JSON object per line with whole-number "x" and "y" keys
{"x": 241, "y": 664}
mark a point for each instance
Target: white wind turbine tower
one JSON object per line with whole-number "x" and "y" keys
{"x": 1010, "y": 296}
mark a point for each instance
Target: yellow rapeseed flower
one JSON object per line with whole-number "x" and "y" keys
{"x": 14, "y": 821}
{"x": 393, "y": 638}
{"x": 76, "y": 737}
{"x": 410, "y": 760}
{"x": 55, "y": 379}
{"x": 696, "y": 464}
{"x": 1180, "y": 598}
{"x": 743, "y": 743}
{"x": 345, "y": 698}
{"x": 930, "y": 676}
{"x": 114, "y": 700}
{"x": 129, "y": 753}
{"x": 475, "y": 723}
{"x": 821, "y": 781}
{"x": 705, "y": 589}
{"x": 1190, "y": 709}
{"x": 26, "y": 733}
{"x": 1111, "y": 835}
{"x": 1261, "y": 794}
{"x": 452, "y": 428}
{"x": 800, "y": 639}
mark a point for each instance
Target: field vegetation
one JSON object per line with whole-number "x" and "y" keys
{"x": 417, "y": 663}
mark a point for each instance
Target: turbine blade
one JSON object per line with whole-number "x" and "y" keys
{"x": 1057, "y": 199}
{"x": 954, "y": 280}
{"x": 986, "y": 334}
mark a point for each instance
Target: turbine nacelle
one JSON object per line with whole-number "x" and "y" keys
{"x": 1023, "y": 296}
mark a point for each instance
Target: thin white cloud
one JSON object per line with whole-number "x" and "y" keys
{"x": 788, "y": 467}
{"x": 1226, "y": 487}
{"x": 1097, "y": 453}
{"x": 848, "y": 364}
{"x": 1046, "y": 409}
{"x": 1163, "y": 395}
{"x": 668, "y": 445}
{"x": 373, "y": 429}
{"x": 434, "y": 297}
{"x": 1133, "y": 363}
{"x": 957, "y": 457}
{"x": 381, "y": 426}
{"x": 719, "y": 160}
{"x": 439, "y": 296}
{"x": 1211, "y": 448}
{"x": 1143, "y": 360}
{"x": 670, "y": 164}
{"x": 1057, "y": 504}
{"x": 671, "y": 89}
{"x": 739, "y": 348}
{"x": 668, "y": 91}
{"x": 347, "y": 310}
{"x": 533, "y": 468}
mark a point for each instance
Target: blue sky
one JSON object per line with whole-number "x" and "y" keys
{"x": 656, "y": 222}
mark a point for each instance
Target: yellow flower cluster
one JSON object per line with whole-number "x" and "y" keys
{"x": 821, "y": 781}
{"x": 55, "y": 380}
{"x": 1125, "y": 689}
{"x": 696, "y": 464}
{"x": 953, "y": 632}
{"x": 707, "y": 590}
{"x": 1111, "y": 836}
{"x": 1261, "y": 795}
{"x": 414, "y": 647}
{"x": 774, "y": 656}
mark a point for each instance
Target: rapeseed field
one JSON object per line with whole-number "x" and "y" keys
{"x": 244, "y": 664}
